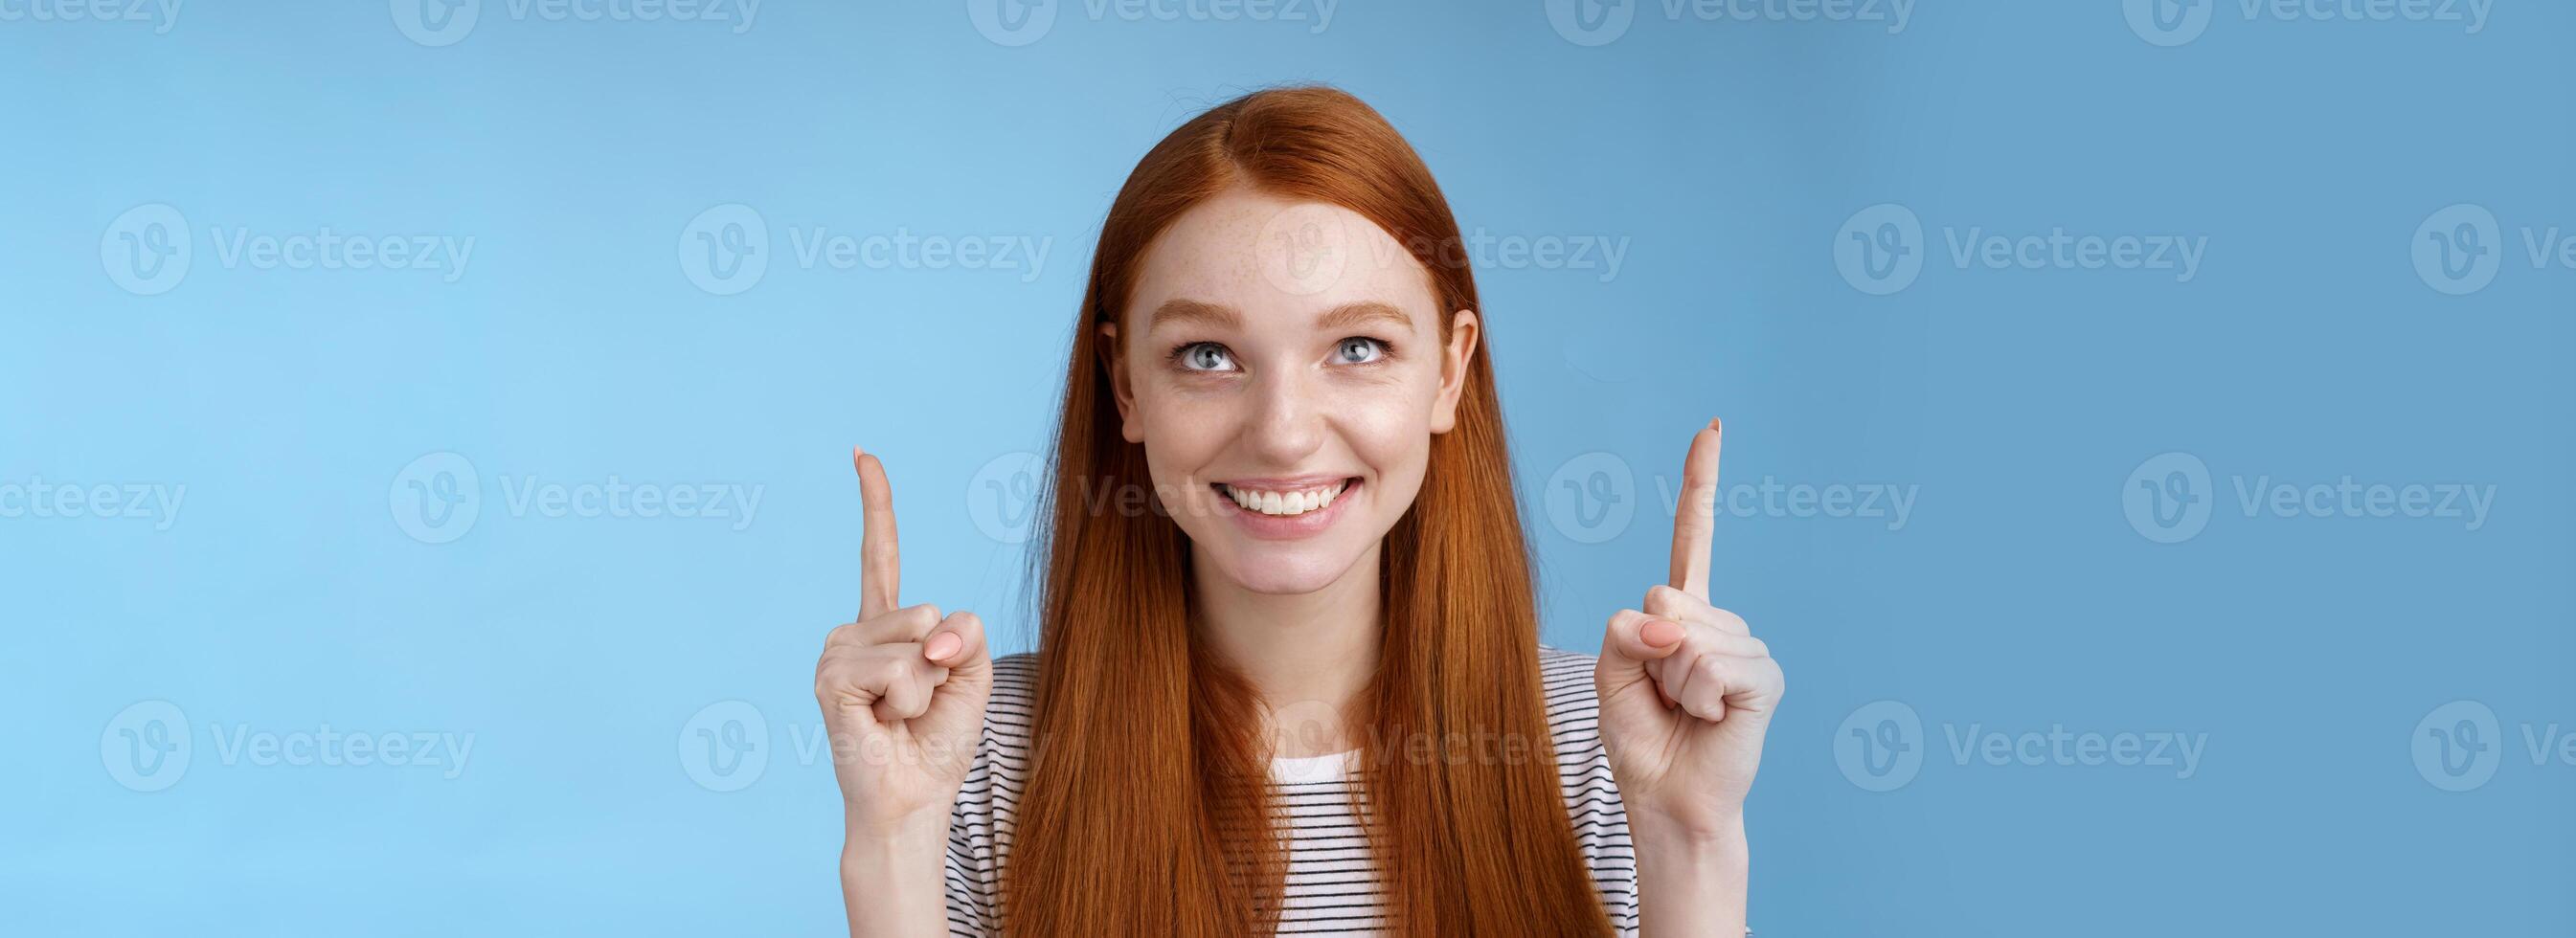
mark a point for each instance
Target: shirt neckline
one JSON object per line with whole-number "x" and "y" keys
{"x": 1302, "y": 770}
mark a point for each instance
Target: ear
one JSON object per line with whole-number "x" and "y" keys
{"x": 1113, "y": 358}
{"x": 1454, "y": 359}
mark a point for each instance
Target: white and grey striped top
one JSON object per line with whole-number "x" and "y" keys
{"x": 1333, "y": 886}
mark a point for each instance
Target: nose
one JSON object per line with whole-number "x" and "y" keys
{"x": 1287, "y": 422}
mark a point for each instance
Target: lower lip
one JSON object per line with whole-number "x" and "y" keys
{"x": 1286, "y": 527}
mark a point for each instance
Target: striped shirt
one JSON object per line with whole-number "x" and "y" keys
{"x": 1333, "y": 885}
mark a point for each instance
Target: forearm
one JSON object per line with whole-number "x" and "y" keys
{"x": 892, "y": 881}
{"x": 1690, "y": 884}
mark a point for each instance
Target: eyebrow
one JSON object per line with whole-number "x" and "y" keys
{"x": 1345, "y": 316}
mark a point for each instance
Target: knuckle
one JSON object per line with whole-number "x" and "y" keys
{"x": 884, "y": 672}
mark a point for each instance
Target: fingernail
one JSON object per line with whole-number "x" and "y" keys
{"x": 1671, "y": 632}
{"x": 942, "y": 645}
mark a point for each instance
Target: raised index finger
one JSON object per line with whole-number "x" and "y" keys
{"x": 879, "y": 573}
{"x": 1695, "y": 517}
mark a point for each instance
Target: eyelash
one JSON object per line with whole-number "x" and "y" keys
{"x": 1179, "y": 354}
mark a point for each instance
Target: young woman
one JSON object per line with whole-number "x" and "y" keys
{"x": 1288, "y": 676}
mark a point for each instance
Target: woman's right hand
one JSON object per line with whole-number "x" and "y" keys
{"x": 902, "y": 689}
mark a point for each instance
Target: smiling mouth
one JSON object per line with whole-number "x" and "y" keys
{"x": 1285, "y": 502}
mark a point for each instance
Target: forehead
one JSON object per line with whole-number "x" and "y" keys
{"x": 1279, "y": 262}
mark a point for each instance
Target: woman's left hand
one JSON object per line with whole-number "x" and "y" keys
{"x": 1686, "y": 691}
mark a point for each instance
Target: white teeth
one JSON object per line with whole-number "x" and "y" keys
{"x": 1286, "y": 503}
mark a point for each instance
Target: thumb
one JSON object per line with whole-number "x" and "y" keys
{"x": 953, "y": 725}
{"x": 958, "y": 645}
{"x": 1634, "y": 640}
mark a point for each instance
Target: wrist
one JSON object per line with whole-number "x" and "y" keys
{"x": 876, "y": 836}
{"x": 1697, "y": 826}
{"x": 1693, "y": 878}
{"x": 892, "y": 876}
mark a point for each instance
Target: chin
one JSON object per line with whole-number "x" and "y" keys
{"x": 1273, "y": 572}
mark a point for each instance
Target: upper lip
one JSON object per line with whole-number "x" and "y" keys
{"x": 1284, "y": 483}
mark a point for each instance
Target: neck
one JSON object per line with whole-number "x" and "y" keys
{"x": 1308, "y": 655}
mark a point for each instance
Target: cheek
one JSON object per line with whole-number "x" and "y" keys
{"x": 1184, "y": 429}
{"x": 1388, "y": 428}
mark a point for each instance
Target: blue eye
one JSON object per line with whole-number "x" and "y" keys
{"x": 1358, "y": 350}
{"x": 1203, "y": 356}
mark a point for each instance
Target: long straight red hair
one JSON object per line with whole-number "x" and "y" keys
{"x": 1148, "y": 809}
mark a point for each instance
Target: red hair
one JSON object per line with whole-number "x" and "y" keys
{"x": 1147, "y": 810}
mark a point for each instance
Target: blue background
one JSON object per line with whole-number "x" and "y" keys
{"x": 286, "y": 594}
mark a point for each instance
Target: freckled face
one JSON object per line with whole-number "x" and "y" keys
{"x": 1282, "y": 365}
